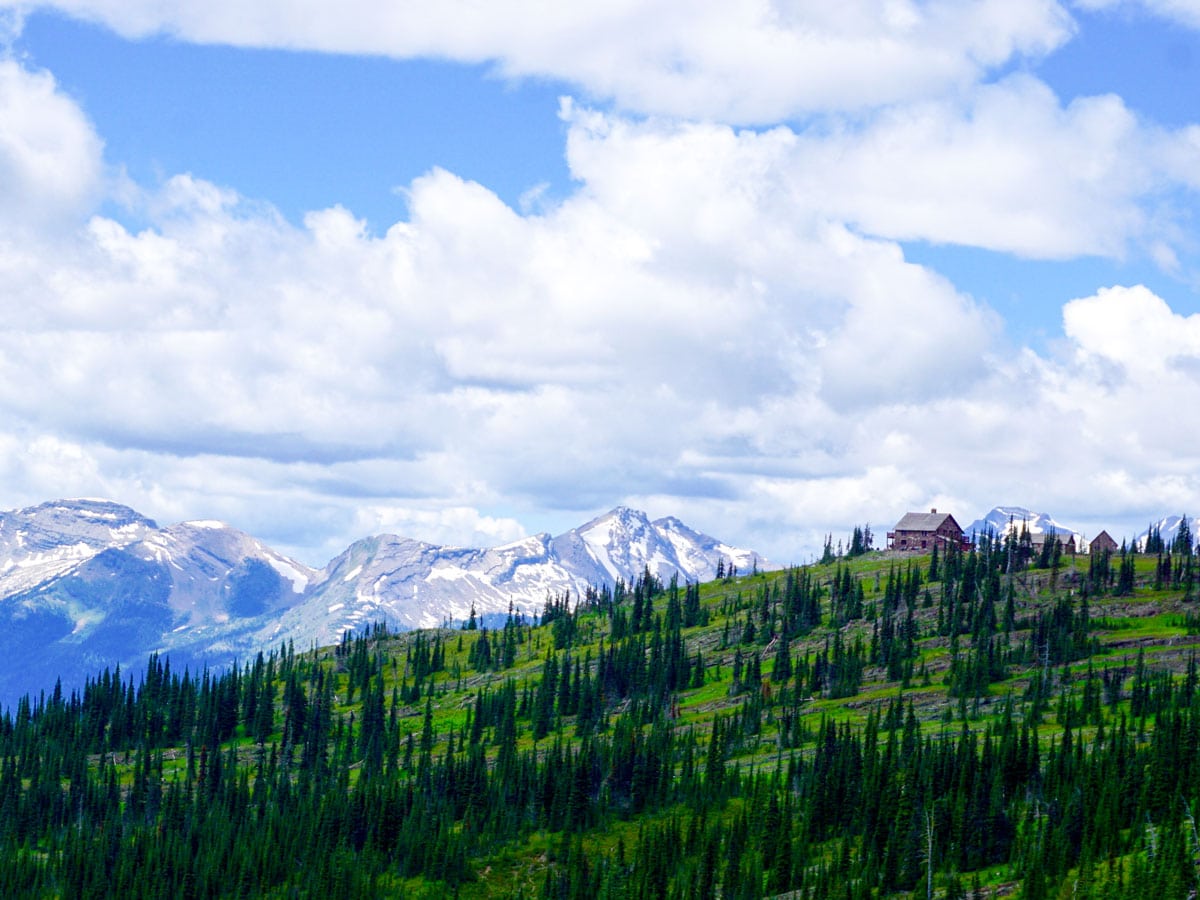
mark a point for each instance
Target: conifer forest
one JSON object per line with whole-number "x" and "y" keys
{"x": 1000, "y": 721}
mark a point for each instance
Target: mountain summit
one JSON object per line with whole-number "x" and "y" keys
{"x": 624, "y": 542}
{"x": 86, "y": 584}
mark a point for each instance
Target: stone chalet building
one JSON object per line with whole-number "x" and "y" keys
{"x": 920, "y": 531}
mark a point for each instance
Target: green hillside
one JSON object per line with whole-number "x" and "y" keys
{"x": 983, "y": 723}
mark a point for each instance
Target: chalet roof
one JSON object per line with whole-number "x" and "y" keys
{"x": 930, "y": 521}
{"x": 1042, "y": 536}
{"x": 1104, "y": 537}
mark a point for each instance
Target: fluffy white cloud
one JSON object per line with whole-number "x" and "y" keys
{"x": 732, "y": 218}
{"x": 1006, "y": 167}
{"x": 1100, "y": 428}
{"x": 1098, "y": 433}
{"x": 756, "y": 61}
{"x": 716, "y": 321}
{"x": 49, "y": 155}
{"x": 1134, "y": 370}
{"x": 439, "y": 526}
{"x": 1136, "y": 330}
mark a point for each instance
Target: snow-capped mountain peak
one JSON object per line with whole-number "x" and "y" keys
{"x": 620, "y": 539}
{"x": 624, "y": 543}
{"x": 1000, "y": 519}
{"x": 1168, "y": 528}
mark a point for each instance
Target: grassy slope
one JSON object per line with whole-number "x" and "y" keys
{"x": 1151, "y": 621}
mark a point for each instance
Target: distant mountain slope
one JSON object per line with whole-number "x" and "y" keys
{"x": 86, "y": 584}
{"x": 1168, "y": 528}
{"x": 43, "y": 542}
{"x": 1000, "y": 518}
{"x": 412, "y": 584}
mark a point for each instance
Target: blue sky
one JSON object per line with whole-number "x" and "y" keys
{"x": 474, "y": 273}
{"x": 302, "y": 130}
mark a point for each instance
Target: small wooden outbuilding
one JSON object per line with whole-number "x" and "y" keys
{"x": 1102, "y": 543}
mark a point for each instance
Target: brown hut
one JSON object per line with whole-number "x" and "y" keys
{"x": 1102, "y": 543}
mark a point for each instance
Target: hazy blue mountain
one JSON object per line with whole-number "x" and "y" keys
{"x": 86, "y": 584}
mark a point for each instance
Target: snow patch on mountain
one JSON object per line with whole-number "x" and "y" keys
{"x": 289, "y": 570}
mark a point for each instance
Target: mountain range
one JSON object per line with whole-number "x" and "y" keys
{"x": 999, "y": 518}
{"x": 88, "y": 584}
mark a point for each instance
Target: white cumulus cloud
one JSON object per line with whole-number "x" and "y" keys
{"x": 1006, "y": 167}
{"x": 50, "y": 165}
{"x": 718, "y": 321}
{"x": 756, "y": 61}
